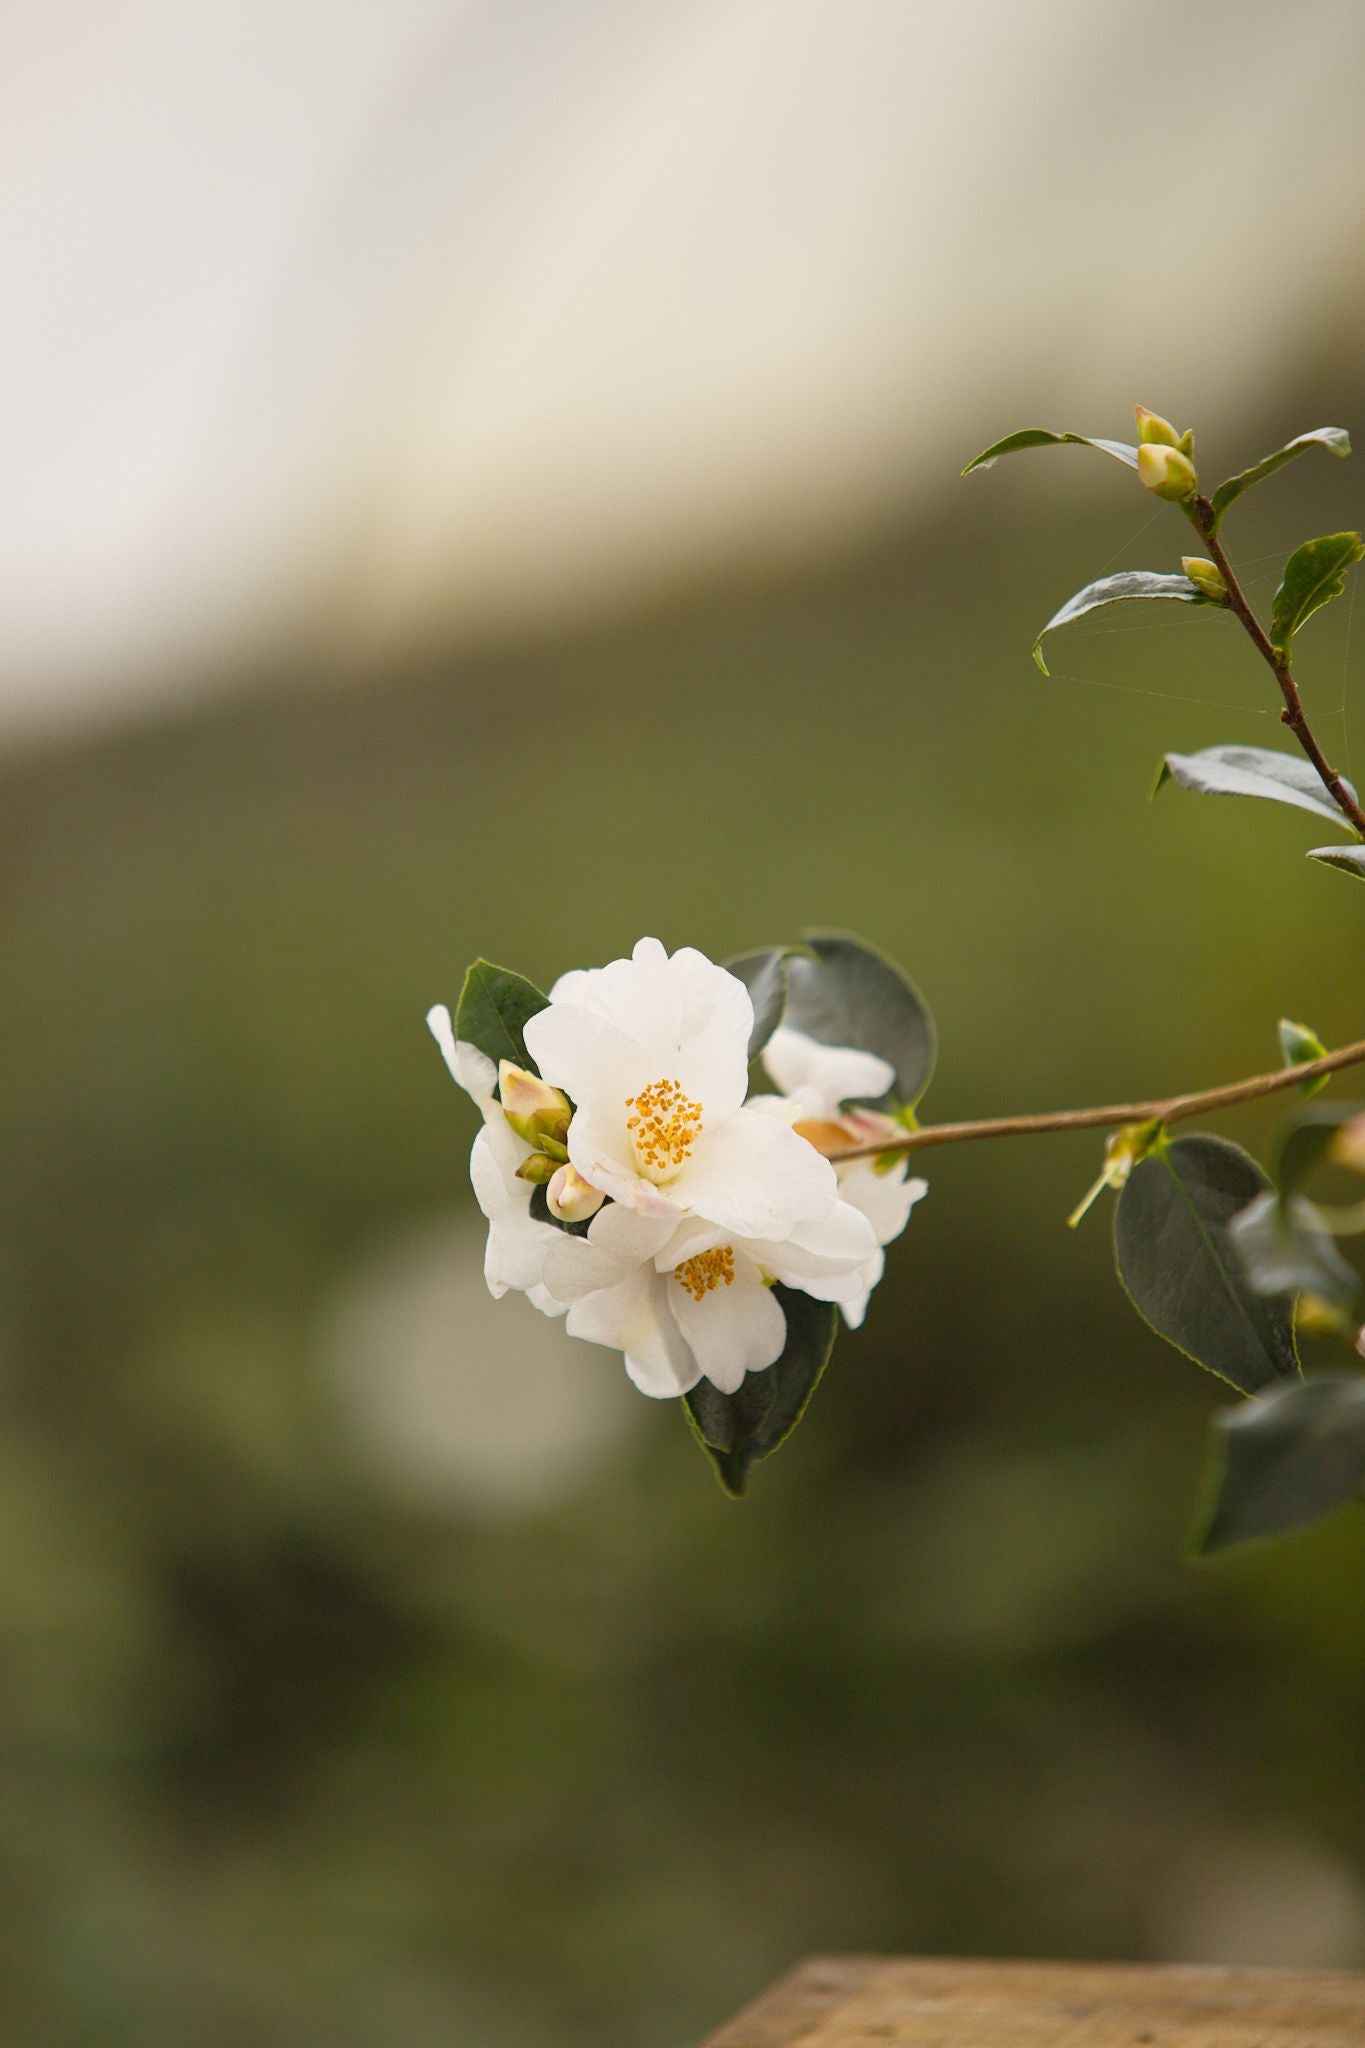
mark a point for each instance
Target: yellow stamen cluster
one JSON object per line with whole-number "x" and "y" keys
{"x": 664, "y": 1125}
{"x": 707, "y": 1270}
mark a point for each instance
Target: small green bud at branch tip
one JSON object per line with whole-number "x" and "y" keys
{"x": 1206, "y": 577}
{"x": 1153, "y": 431}
{"x": 1166, "y": 472}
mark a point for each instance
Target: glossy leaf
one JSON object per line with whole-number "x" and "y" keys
{"x": 1117, "y": 590}
{"x": 1177, "y": 1263}
{"x": 737, "y": 1430}
{"x": 1313, "y": 575}
{"x": 1299, "y": 1044}
{"x": 841, "y": 991}
{"x": 1283, "y": 1251}
{"x": 1349, "y": 860}
{"x": 1285, "y": 1460}
{"x": 1251, "y": 771}
{"x": 1335, "y": 440}
{"x": 494, "y": 1007}
{"x": 764, "y": 974}
{"x": 1041, "y": 437}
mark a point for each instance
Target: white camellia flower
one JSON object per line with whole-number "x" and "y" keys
{"x": 654, "y": 1054}
{"x": 517, "y": 1244}
{"x": 691, "y": 1300}
{"x": 816, "y": 1080}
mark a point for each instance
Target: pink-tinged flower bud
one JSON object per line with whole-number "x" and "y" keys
{"x": 1166, "y": 472}
{"x": 1153, "y": 431}
{"x": 1206, "y": 577}
{"x": 533, "y": 1109}
{"x": 571, "y": 1198}
{"x": 1348, "y": 1147}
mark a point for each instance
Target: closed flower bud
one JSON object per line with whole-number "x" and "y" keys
{"x": 1153, "y": 431}
{"x": 571, "y": 1198}
{"x": 533, "y": 1109}
{"x": 1206, "y": 577}
{"x": 1348, "y": 1147}
{"x": 1166, "y": 472}
{"x": 537, "y": 1169}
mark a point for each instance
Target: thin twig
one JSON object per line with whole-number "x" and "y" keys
{"x": 1293, "y": 714}
{"x": 1169, "y": 1109}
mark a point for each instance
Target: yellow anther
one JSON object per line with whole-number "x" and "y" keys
{"x": 707, "y": 1270}
{"x": 664, "y": 1127}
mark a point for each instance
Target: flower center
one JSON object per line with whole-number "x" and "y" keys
{"x": 707, "y": 1270}
{"x": 663, "y": 1125}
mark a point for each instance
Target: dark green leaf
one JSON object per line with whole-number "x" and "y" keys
{"x": 1251, "y": 771}
{"x": 1349, "y": 859}
{"x": 494, "y": 1007}
{"x": 764, "y": 974}
{"x": 841, "y": 991}
{"x": 1117, "y": 590}
{"x": 1285, "y": 1460}
{"x": 1283, "y": 1251}
{"x": 1176, "y": 1262}
{"x": 1335, "y": 439}
{"x": 1303, "y": 1145}
{"x": 736, "y": 1430}
{"x": 1040, "y": 437}
{"x": 1299, "y": 1044}
{"x": 1313, "y": 575}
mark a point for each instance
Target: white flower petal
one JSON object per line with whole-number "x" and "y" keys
{"x": 820, "y": 1077}
{"x": 473, "y": 1069}
{"x": 886, "y": 1199}
{"x": 633, "y": 1318}
{"x": 589, "y": 1057}
{"x": 826, "y": 1259}
{"x": 730, "y": 1330}
{"x": 755, "y": 1178}
{"x": 618, "y": 1242}
{"x": 517, "y": 1245}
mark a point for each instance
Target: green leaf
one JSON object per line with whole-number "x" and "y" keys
{"x": 1335, "y": 439}
{"x": 1304, "y": 1143}
{"x": 1350, "y": 860}
{"x": 1299, "y": 1043}
{"x": 1117, "y": 590}
{"x": 841, "y": 991}
{"x": 1313, "y": 575}
{"x": 1251, "y": 771}
{"x": 1176, "y": 1262}
{"x": 1040, "y": 437}
{"x": 1285, "y": 1460}
{"x": 493, "y": 1011}
{"x": 764, "y": 974}
{"x": 1283, "y": 1250}
{"x": 736, "y": 1430}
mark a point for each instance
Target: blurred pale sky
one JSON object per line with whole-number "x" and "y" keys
{"x": 328, "y": 325}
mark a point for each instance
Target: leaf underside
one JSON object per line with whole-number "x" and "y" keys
{"x": 1251, "y": 771}
{"x": 1043, "y": 437}
{"x": 1335, "y": 440}
{"x": 1132, "y": 583}
{"x": 1348, "y": 860}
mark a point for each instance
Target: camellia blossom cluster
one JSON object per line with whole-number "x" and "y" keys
{"x": 633, "y": 1186}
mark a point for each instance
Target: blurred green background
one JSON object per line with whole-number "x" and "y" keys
{"x": 379, "y": 1666}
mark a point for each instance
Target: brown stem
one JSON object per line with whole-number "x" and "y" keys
{"x": 1167, "y": 1110}
{"x": 1293, "y": 713}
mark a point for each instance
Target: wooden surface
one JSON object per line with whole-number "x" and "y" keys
{"x": 890, "y": 2002}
